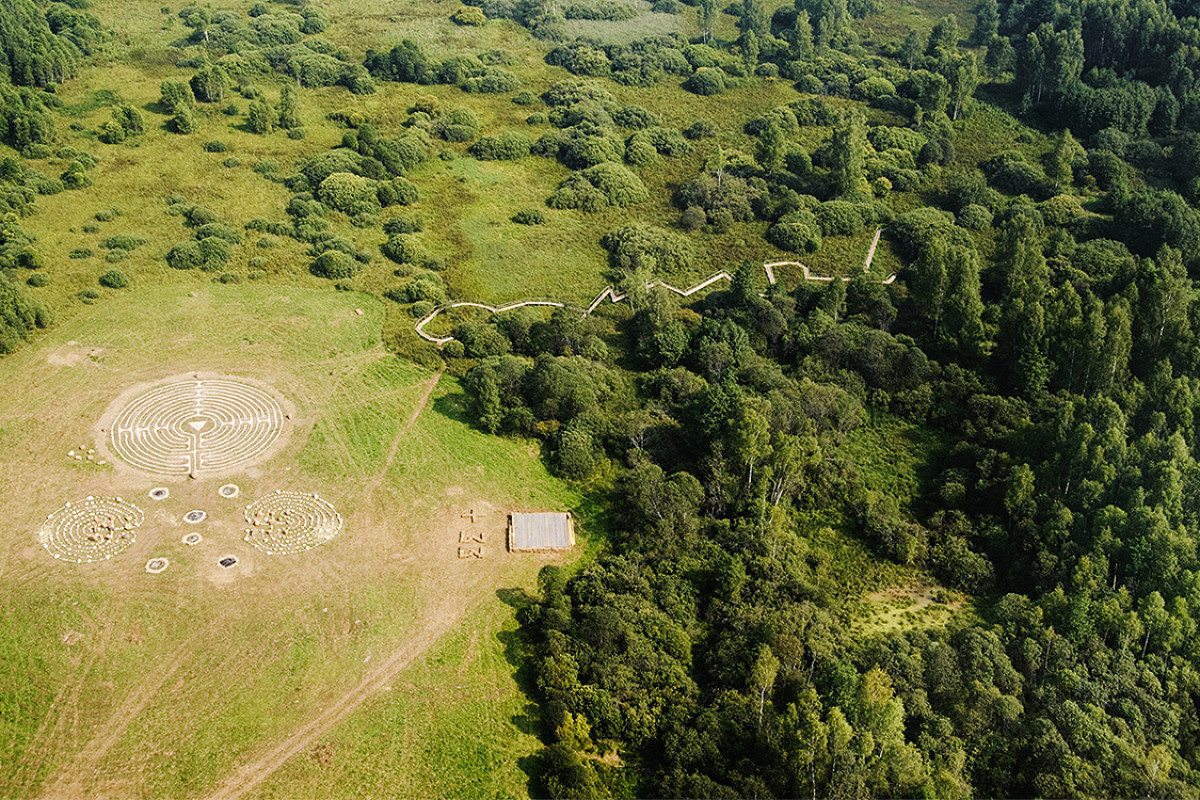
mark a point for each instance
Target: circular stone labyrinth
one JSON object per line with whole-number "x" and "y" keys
{"x": 197, "y": 426}
{"x": 290, "y": 522}
{"x": 93, "y": 529}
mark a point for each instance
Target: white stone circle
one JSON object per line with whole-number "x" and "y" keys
{"x": 156, "y": 565}
{"x": 160, "y": 493}
{"x": 93, "y": 529}
{"x": 195, "y": 515}
{"x": 229, "y": 490}
{"x": 196, "y": 426}
{"x": 290, "y": 522}
{"x": 192, "y": 538}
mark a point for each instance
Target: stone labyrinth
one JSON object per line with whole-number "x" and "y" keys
{"x": 290, "y": 522}
{"x": 197, "y": 426}
{"x": 88, "y": 530}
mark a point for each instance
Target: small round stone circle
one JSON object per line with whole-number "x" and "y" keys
{"x": 195, "y": 515}
{"x": 156, "y": 565}
{"x": 93, "y": 529}
{"x": 229, "y": 490}
{"x": 160, "y": 493}
{"x": 192, "y": 538}
{"x": 288, "y": 522}
{"x": 196, "y": 426}
{"x": 228, "y": 561}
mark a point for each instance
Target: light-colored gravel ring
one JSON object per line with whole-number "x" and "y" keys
{"x": 197, "y": 426}
{"x": 93, "y": 529}
{"x": 288, "y": 522}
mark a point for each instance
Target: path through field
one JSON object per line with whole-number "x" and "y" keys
{"x": 437, "y": 623}
{"x": 375, "y": 482}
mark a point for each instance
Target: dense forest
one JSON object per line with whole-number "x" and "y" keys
{"x": 1039, "y": 351}
{"x": 1043, "y": 335}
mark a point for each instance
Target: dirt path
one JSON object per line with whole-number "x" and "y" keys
{"x": 376, "y": 481}
{"x": 251, "y": 775}
{"x": 72, "y": 781}
{"x": 63, "y": 713}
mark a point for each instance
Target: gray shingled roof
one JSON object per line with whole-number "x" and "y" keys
{"x": 543, "y": 531}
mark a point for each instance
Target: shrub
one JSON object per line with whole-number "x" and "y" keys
{"x": 701, "y": 129}
{"x": 838, "y": 218}
{"x": 89, "y": 296}
{"x": 215, "y": 252}
{"x": 636, "y": 118}
{"x": 398, "y": 192}
{"x": 404, "y": 249}
{"x": 599, "y": 186}
{"x": 334, "y": 264}
{"x": 425, "y": 286}
{"x": 232, "y": 162}
{"x": 220, "y": 230}
{"x": 797, "y": 237}
{"x": 81, "y": 252}
{"x": 114, "y": 279}
{"x": 530, "y": 216}
{"x": 505, "y": 146}
{"x": 350, "y": 194}
{"x": 200, "y": 215}
{"x": 974, "y": 217}
{"x": 122, "y": 241}
{"x": 525, "y": 98}
{"x": 113, "y": 256}
{"x": 215, "y": 146}
{"x": 640, "y": 245}
{"x": 229, "y": 277}
{"x": 184, "y": 121}
{"x": 38, "y": 279}
{"x": 185, "y": 255}
{"x": 459, "y": 125}
{"x": 403, "y": 225}
{"x": 706, "y": 81}
{"x": 494, "y": 81}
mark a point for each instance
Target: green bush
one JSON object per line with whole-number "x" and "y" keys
{"x": 215, "y": 146}
{"x": 636, "y": 118}
{"x": 505, "y": 146}
{"x": 38, "y": 279}
{"x": 404, "y": 249}
{"x": 494, "y": 81}
{"x": 89, "y": 296}
{"x": 600, "y": 186}
{"x": 796, "y": 237}
{"x": 114, "y": 279}
{"x": 81, "y": 252}
{"x": 122, "y": 241}
{"x": 215, "y": 252}
{"x": 334, "y": 264}
{"x": 351, "y": 194}
{"x": 425, "y": 286}
{"x": 706, "y": 81}
{"x": 403, "y": 225}
{"x": 838, "y": 218}
{"x": 229, "y": 277}
{"x": 113, "y": 256}
{"x": 185, "y": 255}
{"x": 974, "y": 217}
{"x": 397, "y": 192}
{"x": 468, "y": 15}
{"x": 530, "y": 216}
{"x": 221, "y": 231}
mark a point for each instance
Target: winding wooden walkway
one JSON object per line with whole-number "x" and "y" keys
{"x": 613, "y": 296}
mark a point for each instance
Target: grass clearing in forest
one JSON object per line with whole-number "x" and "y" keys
{"x": 163, "y": 684}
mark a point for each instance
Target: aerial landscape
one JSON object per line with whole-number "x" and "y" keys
{"x": 599, "y": 398}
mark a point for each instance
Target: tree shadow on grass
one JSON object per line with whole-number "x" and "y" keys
{"x": 454, "y": 406}
{"x": 519, "y": 652}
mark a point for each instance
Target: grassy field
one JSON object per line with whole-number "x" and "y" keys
{"x": 118, "y": 683}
